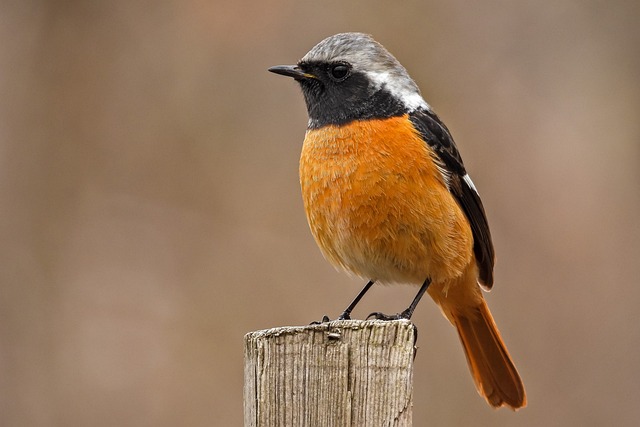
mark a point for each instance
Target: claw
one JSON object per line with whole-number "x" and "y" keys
{"x": 325, "y": 319}
{"x": 381, "y": 316}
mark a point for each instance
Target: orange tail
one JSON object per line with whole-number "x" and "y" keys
{"x": 493, "y": 371}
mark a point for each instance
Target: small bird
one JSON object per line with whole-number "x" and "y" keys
{"x": 388, "y": 198}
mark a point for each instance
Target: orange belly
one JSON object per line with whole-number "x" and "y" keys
{"x": 378, "y": 206}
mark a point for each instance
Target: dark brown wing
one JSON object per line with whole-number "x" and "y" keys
{"x": 436, "y": 134}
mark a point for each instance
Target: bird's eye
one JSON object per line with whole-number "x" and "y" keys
{"x": 339, "y": 72}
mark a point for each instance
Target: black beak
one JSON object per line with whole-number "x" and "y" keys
{"x": 291, "y": 71}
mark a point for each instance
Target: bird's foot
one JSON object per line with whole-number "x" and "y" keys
{"x": 325, "y": 319}
{"x": 344, "y": 316}
{"x": 406, "y": 314}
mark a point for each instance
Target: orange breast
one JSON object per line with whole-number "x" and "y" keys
{"x": 377, "y": 205}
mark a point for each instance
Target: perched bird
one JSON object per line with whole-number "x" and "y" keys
{"x": 388, "y": 198}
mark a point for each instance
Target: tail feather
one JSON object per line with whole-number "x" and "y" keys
{"x": 494, "y": 373}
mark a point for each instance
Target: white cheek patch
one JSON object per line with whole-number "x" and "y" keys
{"x": 399, "y": 88}
{"x": 467, "y": 179}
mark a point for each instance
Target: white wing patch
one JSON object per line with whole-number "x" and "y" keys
{"x": 467, "y": 179}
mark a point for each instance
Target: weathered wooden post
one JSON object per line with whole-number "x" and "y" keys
{"x": 341, "y": 373}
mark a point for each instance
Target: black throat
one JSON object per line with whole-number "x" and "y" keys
{"x": 355, "y": 100}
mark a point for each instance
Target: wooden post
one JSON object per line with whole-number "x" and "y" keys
{"x": 341, "y": 373}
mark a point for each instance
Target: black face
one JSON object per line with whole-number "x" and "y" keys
{"x": 338, "y": 95}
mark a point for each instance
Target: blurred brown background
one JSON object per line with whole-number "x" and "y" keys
{"x": 150, "y": 211}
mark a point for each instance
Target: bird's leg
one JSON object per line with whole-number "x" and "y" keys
{"x": 406, "y": 314}
{"x": 346, "y": 314}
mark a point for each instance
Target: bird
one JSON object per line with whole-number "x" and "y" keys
{"x": 388, "y": 198}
